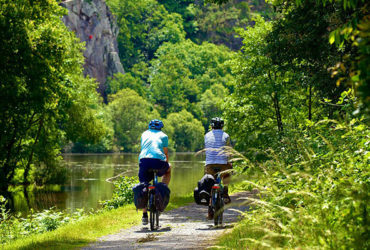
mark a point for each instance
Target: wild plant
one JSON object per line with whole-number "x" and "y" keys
{"x": 317, "y": 199}
{"x": 13, "y": 226}
{"x": 123, "y": 193}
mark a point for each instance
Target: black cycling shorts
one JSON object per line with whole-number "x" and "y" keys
{"x": 149, "y": 163}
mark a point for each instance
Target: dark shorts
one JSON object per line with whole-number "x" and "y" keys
{"x": 214, "y": 169}
{"x": 148, "y": 163}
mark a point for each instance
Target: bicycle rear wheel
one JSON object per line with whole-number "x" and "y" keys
{"x": 154, "y": 220}
{"x": 157, "y": 219}
{"x": 151, "y": 220}
{"x": 152, "y": 212}
{"x": 219, "y": 210}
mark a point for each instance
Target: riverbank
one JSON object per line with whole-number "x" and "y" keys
{"x": 86, "y": 183}
{"x": 81, "y": 233}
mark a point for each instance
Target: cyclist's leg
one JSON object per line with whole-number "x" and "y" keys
{"x": 164, "y": 171}
{"x": 145, "y": 177}
{"x": 211, "y": 169}
{"x": 167, "y": 176}
{"x": 226, "y": 180}
{"x": 226, "y": 176}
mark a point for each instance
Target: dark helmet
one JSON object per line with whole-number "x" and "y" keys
{"x": 156, "y": 124}
{"x": 217, "y": 123}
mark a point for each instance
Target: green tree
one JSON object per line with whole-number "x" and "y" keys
{"x": 184, "y": 131}
{"x": 263, "y": 104}
{"x": 311, "y": 55}
{"x": 123, "y": 81}
{"x": 144, "y": 26}
{"x": 207, "y": 63}
{"x": 211, "y": 102}
{"x": 349, "y": 28}
{"x": 44, "y": 97}
{"x": 130, "y": 115}
{"x": 171, "y": 86}
{"x": 182, "y": 71}
{"x": 349, "y": 25}
{"x": 205, "y": 21}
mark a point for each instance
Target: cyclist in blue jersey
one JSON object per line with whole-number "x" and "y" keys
{"x": 216, "y": 159}
{"x": 154, "y": 155}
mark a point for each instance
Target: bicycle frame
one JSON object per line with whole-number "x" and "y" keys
{"x": 154, "y": 214}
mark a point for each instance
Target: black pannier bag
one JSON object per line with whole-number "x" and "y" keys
{"x": 140, "y": 195}
{"x": 162, "y": 196}
{"x": 202, "y": 193}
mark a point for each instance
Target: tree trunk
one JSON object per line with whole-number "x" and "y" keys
{"x": 28, "y": 166}
{"x": 275, "y": 99}
{"x": 7, "y": 170}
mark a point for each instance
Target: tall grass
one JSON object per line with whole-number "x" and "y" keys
{"x": 314, "y": 192}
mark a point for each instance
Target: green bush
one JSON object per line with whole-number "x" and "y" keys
{"x": 123, "y": 193}
{"x": 13, "y": 226}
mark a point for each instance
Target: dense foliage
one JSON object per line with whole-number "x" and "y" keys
{"x": 45, "y": 99}
{"x": 173, "y": 72}
{"x": 130, "y": 115}
{"x": 172, "y": 62}
{"x": 284, "y": 84}
{"x": 168, "y": 76}
{"x": 303, "y": 132}
{"x": 144, "y": 26}
{"x": 320, "y": 200}
{"x": 185, "y": 132}
{"x": 295, "y": 98}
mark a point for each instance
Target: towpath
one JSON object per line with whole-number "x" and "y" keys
{"x": 182, "y": 228}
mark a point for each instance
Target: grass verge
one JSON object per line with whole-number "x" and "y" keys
{"x": 244, "y": 236}
{"x": 80, "y": 233}
{"x": 89, "y": 229}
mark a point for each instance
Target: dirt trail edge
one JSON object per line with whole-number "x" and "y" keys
{"x": 182, "y": 228}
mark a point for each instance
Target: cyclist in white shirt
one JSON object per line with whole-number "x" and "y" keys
{"x": 216, "y": 159}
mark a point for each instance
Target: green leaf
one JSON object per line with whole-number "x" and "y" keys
{"x": 332, "y": 37}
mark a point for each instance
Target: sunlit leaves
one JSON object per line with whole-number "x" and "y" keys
{"x": 130, "y": 115}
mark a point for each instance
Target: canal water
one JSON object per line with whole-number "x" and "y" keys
{"x": 87, "y": 183}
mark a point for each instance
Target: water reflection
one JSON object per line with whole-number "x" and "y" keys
{"x": 87, "y": 185}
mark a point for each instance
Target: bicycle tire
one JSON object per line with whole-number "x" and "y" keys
{"x": 216, "y": 209}
{"x": 215, "y": 219}
{"x": 152, "y": 212}
{"x": 157, "y": 219}
{"x": 218, "y": 214}
{"x": 154, "y": 220}
{"x": 151, "y": 220}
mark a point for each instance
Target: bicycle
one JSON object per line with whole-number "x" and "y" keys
{"x": 153, "y": 212}
{"x": 217, "y": 201}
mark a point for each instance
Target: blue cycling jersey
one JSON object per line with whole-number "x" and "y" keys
{"x": 152, "y": 143}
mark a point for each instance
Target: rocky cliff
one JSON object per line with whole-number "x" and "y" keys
{"x": 94, "y": 24}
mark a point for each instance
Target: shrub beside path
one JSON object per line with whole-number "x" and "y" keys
{"x": 182, "y": 228}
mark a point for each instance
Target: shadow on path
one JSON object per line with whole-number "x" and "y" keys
{"x": 182, "y": 228}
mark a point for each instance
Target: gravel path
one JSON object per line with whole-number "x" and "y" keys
{"x": 182, "y": 228}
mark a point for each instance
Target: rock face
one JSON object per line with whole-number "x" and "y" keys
{"x": 94, "y": 24}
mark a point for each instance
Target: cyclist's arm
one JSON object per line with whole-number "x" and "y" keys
{"x": 165, "y": 150}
